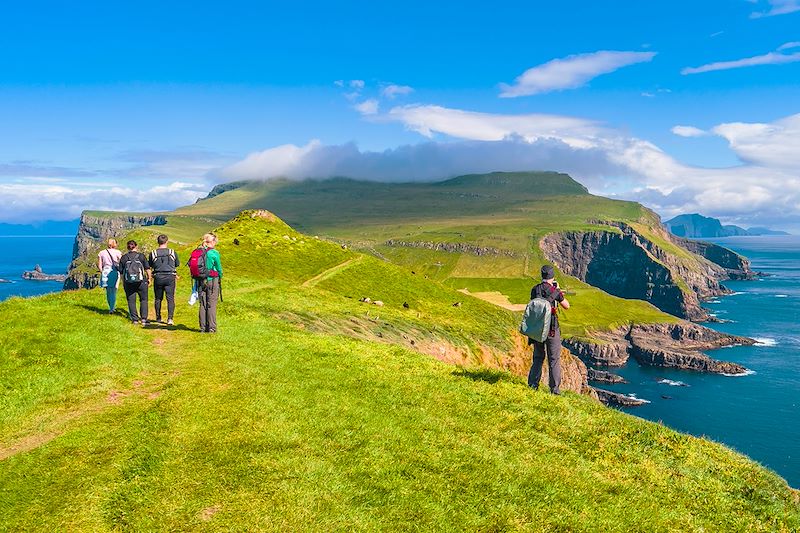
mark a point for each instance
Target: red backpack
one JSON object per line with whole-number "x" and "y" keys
{"x": 197, "y": 263}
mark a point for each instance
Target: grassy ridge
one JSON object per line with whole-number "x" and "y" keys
{"x": 280, "y": 422}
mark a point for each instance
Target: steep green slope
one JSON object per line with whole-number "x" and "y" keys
{"x": 286, "y": 420}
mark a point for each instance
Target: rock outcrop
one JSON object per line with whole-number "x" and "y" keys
{"x": 627, "y": 264}
{"x": 453, "y": 247}
{"x": 93, "y": 230}
{"x": 38, "y": 275}
{"x": 601, "y": 376}
{"x": 615, "y": 398}
{"x": 677, "y": 345}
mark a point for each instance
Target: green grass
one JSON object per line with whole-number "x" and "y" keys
{"x": 288, "y": 420}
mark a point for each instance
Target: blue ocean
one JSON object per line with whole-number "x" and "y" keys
{"x": 757, "y": 414}
{"x": 20, "y": 253}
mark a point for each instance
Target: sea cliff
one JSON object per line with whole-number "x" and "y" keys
{"x": 93, "y": 230}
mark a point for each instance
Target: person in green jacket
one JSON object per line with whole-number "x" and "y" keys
{"x": 210, "y": 289}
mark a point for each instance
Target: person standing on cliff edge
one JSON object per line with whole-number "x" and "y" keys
{"x": 549, "y": 290}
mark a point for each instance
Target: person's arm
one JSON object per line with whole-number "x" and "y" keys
{"x": 219, "y": 265}
{"x": 148, "y": 270}
{"x": 562, "y": 301}
{"x": 99, "y": 262}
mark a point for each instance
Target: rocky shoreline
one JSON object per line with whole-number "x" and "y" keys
{"x": 680, "y": 345}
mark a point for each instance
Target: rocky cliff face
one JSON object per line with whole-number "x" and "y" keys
{"x": 736, "y": 266}
{"x": 629, "y": 265}
{"x": 678, "y": 345}
{"x": 453, "y": 247}
{"x": 92, "y": 232}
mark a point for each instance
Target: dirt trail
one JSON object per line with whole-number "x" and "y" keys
{"x": 322, "y": 276}
{"x": 497, "y": 298}
{"x": 44, "y": 428}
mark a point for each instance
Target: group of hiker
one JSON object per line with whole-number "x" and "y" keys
{"x": 137, "y": 272}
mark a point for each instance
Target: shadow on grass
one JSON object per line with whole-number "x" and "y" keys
{"x": 104, "y": 310}
{"x": 121, "y": 313}
{"x": 486, "y": 374}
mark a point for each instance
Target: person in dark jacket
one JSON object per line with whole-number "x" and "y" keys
{"x": 135, "y": 271}
{"x": 164, "y": 263}
{"x": 551, "y": 347}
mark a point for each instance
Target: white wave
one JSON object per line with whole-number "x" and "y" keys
{"x": 781, "y": 296}
{"x": 673, "y": 383}
{"x": 713, "y": 301}
{"x": 765, "y": 341}
{"x": 632, "y": 396}
{"x": 737, "y": 293}
{"x": 747, "y": 372}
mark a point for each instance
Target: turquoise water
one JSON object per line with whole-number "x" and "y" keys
{"x": 18, "y": 254}
{"x": 757, "y": 414}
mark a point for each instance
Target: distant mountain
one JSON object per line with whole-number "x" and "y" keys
{"x": 765, "y": 231}
{"x": 49, "y": 227}
{"x": 695, "y": 226}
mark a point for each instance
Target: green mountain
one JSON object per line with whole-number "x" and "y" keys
{"x": 697, "y": 226}
{"x": 314, "y": 410}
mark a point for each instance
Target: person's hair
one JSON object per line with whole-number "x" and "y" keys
{"x": 131, "y": 244}
{"x": 162, "y": 239}
{"x": 112, "y": 243}
{"x": 209, "y": 237}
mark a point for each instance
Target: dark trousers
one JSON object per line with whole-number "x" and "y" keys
{"x": 131, "y": 291}
{"x": 209, "y": 294}
{"x": 164, "y": 284}
{"x": 551, "y": 347}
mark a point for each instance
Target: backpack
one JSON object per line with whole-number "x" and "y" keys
{"x": 536, "y": 319}
{"x": 114, "y": 264}
{"x": 197, "y": 263}
{"x": 134, "y": 270}
{"x": 163, "y": 263}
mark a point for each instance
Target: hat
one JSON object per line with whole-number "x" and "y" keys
{"x": 548, "y": 272}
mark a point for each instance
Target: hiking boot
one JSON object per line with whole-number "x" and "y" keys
{"x": 158, "y": 320}
{"x": 144, "y": 323}
{"x": 170, "y": 322}
{"x": 135, "y": 322}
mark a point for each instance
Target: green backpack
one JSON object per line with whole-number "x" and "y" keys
{"x": 536, "y": 319}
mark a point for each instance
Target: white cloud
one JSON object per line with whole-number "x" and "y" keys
{"x": 771, "y": 58}
{"x": 765, "y": 190}
{"x": 367, "y": 107}
{"x": 787, "y": 46}
{"x": 357, "y": 84}
{"x": 33, "y": 202}
{"x": 773, "y": 145}
{"x": 339, "y": 83}
{"x": 688, "y": 131}
{"x": 429, "y": 119}
{"x": 777, "y": 7}
{"x": 571, "y": 72}
{"x": 392, "y": 90}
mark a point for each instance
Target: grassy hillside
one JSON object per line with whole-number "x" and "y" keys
{"x": 291, "y": 418}
{"x": 507, "y": 211}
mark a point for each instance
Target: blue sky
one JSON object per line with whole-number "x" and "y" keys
{"x": 146, "y": 105}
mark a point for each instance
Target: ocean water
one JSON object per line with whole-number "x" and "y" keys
{"x": 20, "y": 253}
{"x": 757, "y": 414}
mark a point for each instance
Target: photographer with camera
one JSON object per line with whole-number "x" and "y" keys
{"x": 549, "y": 290}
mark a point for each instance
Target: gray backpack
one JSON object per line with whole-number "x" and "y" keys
{"x": 536, "y": 319}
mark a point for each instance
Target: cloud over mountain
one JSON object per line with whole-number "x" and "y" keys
{"x": 764, "y": 189}
{"x": 571, "y": 72}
